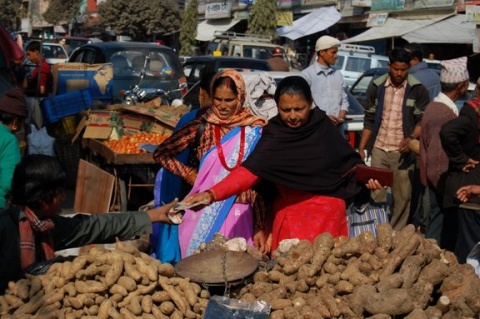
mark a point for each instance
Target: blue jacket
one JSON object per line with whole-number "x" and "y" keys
{"x": 414, "y": 103}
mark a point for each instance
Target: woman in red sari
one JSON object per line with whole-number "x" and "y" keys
{"x": 302, "y": 153}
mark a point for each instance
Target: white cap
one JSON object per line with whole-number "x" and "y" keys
{"x": 326, "y": 42}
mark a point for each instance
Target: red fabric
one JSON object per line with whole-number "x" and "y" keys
{"x": 31, "y": 227}
{"x": 239, "y": 180}
{"x": 44, "y": 74}
{"x": 305, "y": 216}
{"x": 298, "y": 214}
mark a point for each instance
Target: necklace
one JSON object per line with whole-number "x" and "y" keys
{"x": 218, "y": 144}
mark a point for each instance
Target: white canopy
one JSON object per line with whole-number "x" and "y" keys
{"x": 393, "y": 28}
{"x": 207, "y": 28}
{"x": 316, "y": 21}
{"x": 452, "y": 30}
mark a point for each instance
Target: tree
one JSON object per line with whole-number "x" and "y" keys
{"x": 260, "y": 20}
{"x": 10, "y": 14}
{"x": 188, "y": 32}
{"x": 62, "y": 11}
{"x": 140, "y": 19}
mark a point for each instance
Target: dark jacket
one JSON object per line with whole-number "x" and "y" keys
{"x": 69, "y": 232}
{"x": 460, "y": 140}
{"x": 414, "y": 103}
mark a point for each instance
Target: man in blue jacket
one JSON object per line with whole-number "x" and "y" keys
{"x": 395, "y": 105}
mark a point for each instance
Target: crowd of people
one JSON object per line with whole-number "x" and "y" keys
{"x": 270, "y": 179}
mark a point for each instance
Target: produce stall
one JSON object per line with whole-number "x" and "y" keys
{"x": 113, "y": 139}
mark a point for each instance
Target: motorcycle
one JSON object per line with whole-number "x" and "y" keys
{"x": 143, "y": 95}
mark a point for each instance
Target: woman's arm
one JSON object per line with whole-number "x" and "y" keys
{"x": 238, "y": 181}
{"x": 175, "y": 144}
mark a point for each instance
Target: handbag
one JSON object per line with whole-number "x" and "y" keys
{"x": 366, "y": 218}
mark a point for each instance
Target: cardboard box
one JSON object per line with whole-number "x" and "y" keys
{"x": 97, "y": 78}
{"x": 128, "y": 120}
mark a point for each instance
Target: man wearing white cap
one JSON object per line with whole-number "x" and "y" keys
{"x": 454, "y": 81}
{"x": 461, "y": 142}
{"x": 326, "y": 82}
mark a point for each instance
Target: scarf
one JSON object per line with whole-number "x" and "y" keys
{"x": 242, "y": 115}
{"x": 30, "y": 227}
{"x": 311, "y": 158}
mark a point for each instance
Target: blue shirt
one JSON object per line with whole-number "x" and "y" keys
{"x": 328, "y": 88}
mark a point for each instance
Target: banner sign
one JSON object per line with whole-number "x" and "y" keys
{"x": 472, "y": 14}
{"x": 362, "y": 3}
{"x": 218, "y": 10}
{"x": 378, "y": 5}
{"x": 377, "y": 19}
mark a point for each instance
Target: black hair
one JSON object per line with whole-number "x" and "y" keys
{"x": 415, "y": 50}
{"x": 33, "y": 46}
{"x": 37, "y": 179}
{"x": 7, "y": 118}
{"x": 400, "y": 55}
{"x": 226, "y": 81}
{"x": 206, "y": 80}
{"x": 449, "y": 87}
{"x": 295, "y": 85}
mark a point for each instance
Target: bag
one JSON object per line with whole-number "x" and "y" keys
{"x": 39, "y": 142}
{"x": 363, "y": 173}
{"x": 366, "y": 218}
{"x": 219, "y": 307}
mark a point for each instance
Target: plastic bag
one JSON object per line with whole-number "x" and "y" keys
{"x": 39, "y": 142}
{"x": 473, "y": 258}
{"x": 220, "y": 307}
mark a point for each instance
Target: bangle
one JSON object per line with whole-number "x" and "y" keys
{"x": 211, "y": 196}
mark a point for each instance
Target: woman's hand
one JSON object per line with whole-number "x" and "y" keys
{"x": 260, "y": 241}
{"x": 470, "y": 164}
{"x": 465, "y": 192}
{"x": 160, "y": 214}
{"x": 204, "y": 197}
{"x": 374, "y": 185}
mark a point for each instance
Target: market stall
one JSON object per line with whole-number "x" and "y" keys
{"x": 120, "y": 141}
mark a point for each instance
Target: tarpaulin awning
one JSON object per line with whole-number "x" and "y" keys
{"x": 207, "y": 28}
{"x": 316, "y": 21}
{"x": 394, "y": 28}
{"x": 452, "y": 30}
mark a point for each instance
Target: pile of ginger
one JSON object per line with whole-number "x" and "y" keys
{"x": 396, "y": 275}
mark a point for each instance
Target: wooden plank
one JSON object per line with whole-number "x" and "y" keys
{"x": 94, "y": 189}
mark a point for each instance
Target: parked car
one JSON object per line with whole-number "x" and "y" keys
{"x": 195, "y": 66}
{"x": 128, "y": 58}
{"x": 71, "y": 43}
{"x": 353, "y": 60}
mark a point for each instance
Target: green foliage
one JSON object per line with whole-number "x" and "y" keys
{"x": 260, "y": 20}
{"x": 141, "y": 18}
{"x": 188, "y": 31}
{"x": 62, "y": 11}
{"x": 10, "y": 14}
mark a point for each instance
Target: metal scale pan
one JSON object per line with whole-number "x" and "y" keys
{"x": 217, "y": 267}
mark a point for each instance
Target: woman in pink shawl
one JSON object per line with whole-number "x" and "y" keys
{"x": 228, "y": 133}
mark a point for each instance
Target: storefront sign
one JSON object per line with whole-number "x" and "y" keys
{"x": 423, "y": 4}
{"x": 287, "y": 4}
{"x": 377, "y": 19}
{"x": 472, "y": 14}
{"x": 378, "y": 5}
{"x": 218, "y": 10}
{"x": 319, "y": 2}
{"x": 362, "y": 3}
{"x": 476, "y": 42}
{"x": 285, "y": 18}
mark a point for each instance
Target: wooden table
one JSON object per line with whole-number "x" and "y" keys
{"x": 122, "y": 166}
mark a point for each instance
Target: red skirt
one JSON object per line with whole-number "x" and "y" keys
{"x": 304, "y": 215}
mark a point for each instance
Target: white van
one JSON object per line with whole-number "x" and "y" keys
{"x": 353, "y": 60}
